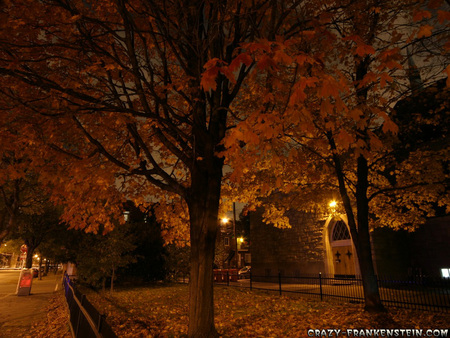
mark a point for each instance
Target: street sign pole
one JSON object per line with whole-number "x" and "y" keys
{"x": 26, "y": 276}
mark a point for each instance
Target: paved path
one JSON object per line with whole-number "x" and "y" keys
{"x": 17, "y": 314}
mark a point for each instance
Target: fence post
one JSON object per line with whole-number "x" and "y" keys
{"x": 320, "y": 285}
{"x": 101, "y": 318}
{"x": 80, "y": 313}
{"x": 279, "y": 281}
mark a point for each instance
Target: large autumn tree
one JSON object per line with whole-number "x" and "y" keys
{"x": 324, "y": 128}
{"x": 135, "y": 97}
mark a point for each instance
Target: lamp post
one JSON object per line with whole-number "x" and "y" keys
{"x": 235, "y": 237}
{"x": 235, "y": 241}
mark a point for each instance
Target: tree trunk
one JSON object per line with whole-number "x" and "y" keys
{"x": 201, "y": 300}
{"x": 12, "y": 209}
{"x": 40, "y": 269}
{"x": 7, "y": 227}
{"x": 203, "y": 204}
{"x": 29, "y": 259}
{"x": 112, "y": 280}
{"x": 370, "y": 284}
{"x": 360, "y": 230}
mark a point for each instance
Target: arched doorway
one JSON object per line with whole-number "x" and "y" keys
{"x": 340, "y": 253}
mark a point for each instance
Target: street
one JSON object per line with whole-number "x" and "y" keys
{"x": 8, "y": 282}
{"x": 17, "y": 314}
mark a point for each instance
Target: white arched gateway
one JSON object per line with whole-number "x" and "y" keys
{"x": 340, "y": 253}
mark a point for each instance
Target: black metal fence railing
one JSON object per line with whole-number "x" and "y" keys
{"x": 424, "y": 293}
{"x": 85, "y": 320}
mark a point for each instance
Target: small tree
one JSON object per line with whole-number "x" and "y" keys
{"x": 100, "y": 256}
{"x": 34, "y": 228}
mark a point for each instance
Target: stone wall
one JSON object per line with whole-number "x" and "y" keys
{"x": 300, "y": 250}
{"x": 294, "y": 251}
{"x": 430, "y": 246}
{"x": 423, "y": 252}
{"x": 391, "y": 252}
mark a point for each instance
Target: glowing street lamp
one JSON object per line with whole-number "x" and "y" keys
{"x": 332, "y": 205}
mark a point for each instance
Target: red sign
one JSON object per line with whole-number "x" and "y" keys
{"x": 25, "y": 282}
{"x": 23, "y": 248}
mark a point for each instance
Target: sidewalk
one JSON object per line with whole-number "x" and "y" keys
{"x": 17, "y": 314}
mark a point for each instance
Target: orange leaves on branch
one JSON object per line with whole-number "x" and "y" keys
{"x": 384, "y": 79}
{"x": 344, "y": 139}
{"x": 242, "y": 58}
{"x": 443, "y": 16}
{"x": 330, "y": 87}
{"x": 326, "y": 107}
{"x": 355, "y": 114}
{"x": 419, "y": 15}
{"x": 362, "y": 49}
{"x": 263, "y": 45}
{"x": 266, "y": 62}
{"x": 392, "y": 64}
{"x": 298, "y": 94}
{"x": 388, "y": 124}
{"x": 390, "y": 54}
{"x": 375, "y": 143}
{"x": 369, "y": 78}
{"x": 269, "y": 54}
{"x": 215, "y": 65}
{"x": 112, "y": 67}
{"x": 282, "y": 57}
{"x": 209, "y": 76}
{"x": 425, "y": 31}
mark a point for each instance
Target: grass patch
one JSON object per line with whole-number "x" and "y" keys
{"x": 162, "y": 311}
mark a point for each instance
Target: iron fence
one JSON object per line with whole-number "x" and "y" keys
{"x": 85, "y": 320}
{"x": 422, "y": 293}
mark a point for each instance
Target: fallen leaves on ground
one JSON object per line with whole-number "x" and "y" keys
{"x": 162, "y": 311}
{"x": 57, "y": 322}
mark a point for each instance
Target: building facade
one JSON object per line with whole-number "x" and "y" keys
{"x": 316, "y": 244}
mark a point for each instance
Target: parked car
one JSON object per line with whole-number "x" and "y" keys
{"x": 244, "y": 272}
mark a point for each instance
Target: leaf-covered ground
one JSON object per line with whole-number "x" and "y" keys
{"x": 162, "y": 311}
{"x": 57, "y": 322}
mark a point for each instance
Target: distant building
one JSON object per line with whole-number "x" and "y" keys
{"x": 316, "y": 244}
{"x": 7, "y": 260}
{"x": 226, "y": 244}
